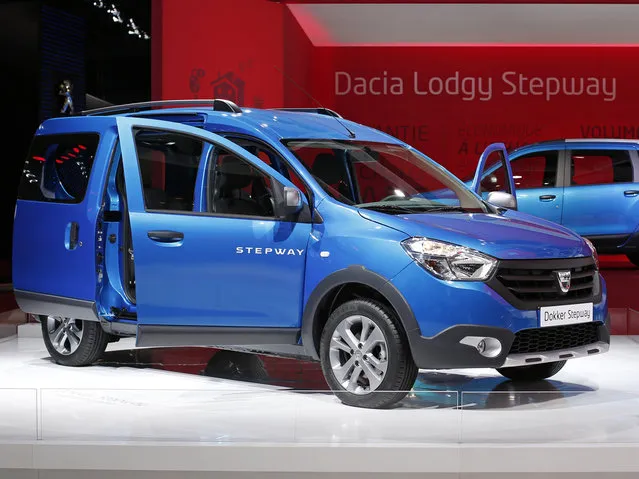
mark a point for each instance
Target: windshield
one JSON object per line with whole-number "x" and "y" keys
{"x": 385, "y": 177}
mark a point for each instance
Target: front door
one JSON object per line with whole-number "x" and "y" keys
{"x": 601, "y": 196}
{"x": 210, "y": 247}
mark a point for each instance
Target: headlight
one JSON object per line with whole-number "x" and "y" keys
{"x": 450, "y": 261}
{"x": 595, "y": 255}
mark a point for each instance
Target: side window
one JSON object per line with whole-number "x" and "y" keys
{"x": 536, "y": 170}
{"x": 58, "y": 167}
{"x": 237, "y": 188}
{"x": 597, "y": 167}
{"x": 273, "y": 160}
{"x": 169, "y": 164}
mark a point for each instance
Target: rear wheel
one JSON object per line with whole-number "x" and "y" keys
{"x": 634, "y": 258}
{"x": 534, "y": 372}
{"x": 365, "y": 356}
{"x": 73, "y": 342}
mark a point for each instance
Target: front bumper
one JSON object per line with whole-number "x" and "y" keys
{"x": 450, "y": 349}
{"x": 516, "y": 360}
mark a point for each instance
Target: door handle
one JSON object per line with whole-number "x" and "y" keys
{"x": 72, "y": 236}
{"x": 547, "y": 197}
{"x": 631, "y": 193}
{"x": 165, "y": 236}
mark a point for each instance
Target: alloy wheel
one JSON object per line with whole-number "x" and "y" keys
{"x": 358, "y": 354}
{"x": 65, "y": 334}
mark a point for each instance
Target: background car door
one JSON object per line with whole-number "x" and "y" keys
{"x": 208, "y": 249}
{"x": 601, "y": 198}
{"x": 493, "y": 172}
{"x": 539, "y": 191}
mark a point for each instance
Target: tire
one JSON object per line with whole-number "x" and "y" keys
{"x": 92, "y": 342}
{"x": 237, "y": 366}
{"x": 536, "y": 372}
{"x": 389, "y": 357}
{"x": 634, "y": 258}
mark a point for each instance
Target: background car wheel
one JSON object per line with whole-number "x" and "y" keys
{"x": 634, "y": 258}
{"x": 365, "y": 355}
{"x": 535, "y": 372}
{"x": 73, "y": 342}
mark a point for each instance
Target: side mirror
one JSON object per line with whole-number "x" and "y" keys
{"x": 502, "y": 200}
{"x": 293, "y": 203}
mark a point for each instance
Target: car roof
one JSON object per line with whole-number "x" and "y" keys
{"x": 284, "y": 125}
{"x": 560, "y": 143}
{"x": 273, "y": 124}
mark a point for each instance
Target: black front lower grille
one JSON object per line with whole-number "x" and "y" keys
{"x": 543, "y": 340}
{"x": 530, "y": 284}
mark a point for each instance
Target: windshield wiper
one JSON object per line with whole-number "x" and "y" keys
{"x": 384, "y": 208}
{"x": 443, "y": 208}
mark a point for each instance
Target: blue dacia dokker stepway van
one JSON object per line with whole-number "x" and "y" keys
{"x": 294, "y": 233}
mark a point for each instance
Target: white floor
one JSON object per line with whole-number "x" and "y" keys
{"x": 592, "y": 405}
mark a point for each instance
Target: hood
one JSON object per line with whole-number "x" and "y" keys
{"x": 512, "y": 235}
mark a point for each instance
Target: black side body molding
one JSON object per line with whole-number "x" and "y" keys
{"x": 50, "y": 305}
{"x": 175, "y": 336}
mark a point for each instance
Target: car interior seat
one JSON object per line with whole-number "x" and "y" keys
{"x": 232, "y": 177}
{"x": 332, "y": 172}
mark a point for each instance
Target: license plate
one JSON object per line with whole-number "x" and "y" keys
{"x": 566, "y": 314}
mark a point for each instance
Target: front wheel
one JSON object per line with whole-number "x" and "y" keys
{"x": 73, "y": 342}
{"x": 535, "y": 372}
{"x": 365, "y": 355}
{"x": 634, "y": 258}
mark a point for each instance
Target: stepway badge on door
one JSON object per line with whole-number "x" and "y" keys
{"x": 566, "y": 314}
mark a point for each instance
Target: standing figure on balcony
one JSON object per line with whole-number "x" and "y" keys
{"x": 66, "y": 89}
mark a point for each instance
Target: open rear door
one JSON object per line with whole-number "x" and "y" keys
{"x": 56, "y": 234}
{"x": 493, "y": 179}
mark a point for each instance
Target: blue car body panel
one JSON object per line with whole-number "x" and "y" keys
{"x": 512, "y": 235}
{"x": 42, "y": 261}
{"x": 601, "y": 209}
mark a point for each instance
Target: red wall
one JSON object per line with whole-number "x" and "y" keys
{"x": 235, "y": 46}
{"x": 467, "y": 97}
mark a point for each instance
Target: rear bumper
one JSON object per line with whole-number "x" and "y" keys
{"x": 448, "y": 350}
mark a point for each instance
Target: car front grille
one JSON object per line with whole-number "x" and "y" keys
{"x": 543, "y": 340}
{"x": 534, "y": 283}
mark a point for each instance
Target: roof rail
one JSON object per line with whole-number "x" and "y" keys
{"x": 537, "y": 143}
{"x": 218, "y": 105}
{"x": 320, "y": 111}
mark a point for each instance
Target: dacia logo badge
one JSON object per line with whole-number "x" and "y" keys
{"x": 563, "y": 278}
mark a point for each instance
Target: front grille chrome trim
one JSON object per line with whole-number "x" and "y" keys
{"x": 530, "y": 284}
{"x": 530, "y": 359}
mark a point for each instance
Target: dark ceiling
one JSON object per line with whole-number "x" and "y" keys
{"x": 118, "y": 65}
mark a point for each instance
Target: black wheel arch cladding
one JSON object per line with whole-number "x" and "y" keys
{"x": 361, "y": 275}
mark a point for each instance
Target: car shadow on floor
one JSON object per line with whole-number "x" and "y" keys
{"x": 432, "y": 390}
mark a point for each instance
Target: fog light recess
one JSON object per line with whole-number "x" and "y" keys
{"x": 486, "y": 346}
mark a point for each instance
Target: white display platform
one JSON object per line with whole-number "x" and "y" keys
{"x": 470, "y": 423}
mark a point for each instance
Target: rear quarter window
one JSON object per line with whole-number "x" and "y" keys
{"x": 58, "y": 167}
